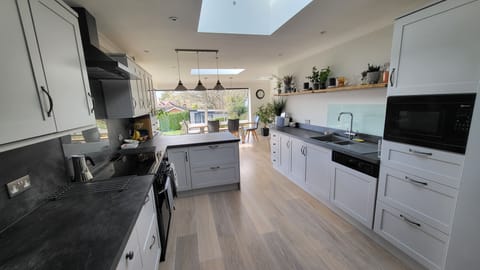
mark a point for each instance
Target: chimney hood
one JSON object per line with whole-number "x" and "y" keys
{"x": 100, "y": 66}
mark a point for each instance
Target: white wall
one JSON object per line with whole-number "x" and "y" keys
{"x": 349, "y": 60}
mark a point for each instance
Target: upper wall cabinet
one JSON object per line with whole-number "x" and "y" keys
{"x": 43, "y": 75}
{"x": 128, "y": 98}
{"x": 436, "y": 50}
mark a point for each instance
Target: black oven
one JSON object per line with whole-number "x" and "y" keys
{"x": 435, "y": 121}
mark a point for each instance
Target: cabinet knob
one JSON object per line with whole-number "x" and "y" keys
{"x": 129, "y": 255}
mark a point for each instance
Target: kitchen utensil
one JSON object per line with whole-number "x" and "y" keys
{"x": 81, "y": 173}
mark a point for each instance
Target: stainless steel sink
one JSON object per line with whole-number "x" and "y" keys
{"x": 330, "y": 138}
{"x": 344, "y": 142}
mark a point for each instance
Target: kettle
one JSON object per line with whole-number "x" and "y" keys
{"x": 81, "y": 173}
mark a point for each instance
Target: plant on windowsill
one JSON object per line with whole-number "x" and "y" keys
{"x": 265, "y": 113}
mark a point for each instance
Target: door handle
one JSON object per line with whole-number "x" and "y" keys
{"x": 213, "y": 146}
{"x": 288, "y": 144}
{"x": 410, "y": 221}
{"x": 50, "y": 101}
{"x": 146, "y": 199}
{"x": 420, "y": 152}
{"x": 186, "y": 156}
{"x": 416, "y": 181}
{"x": 215, "y": 168}
{"x": 153, "y": 242}
{"x": 93, "y": 102}
{"x": 391, "y": 77}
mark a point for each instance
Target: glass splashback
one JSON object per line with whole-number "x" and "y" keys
{"x": 367, "y": 118}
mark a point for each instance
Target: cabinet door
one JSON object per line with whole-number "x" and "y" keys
{"x": 436, "y": 50}
{"x": 130, "y": 258}
{"x": 58, "y": 37}
{"x": 134, "y": 90}
{"x": 354, "y": 193}
{"x": 298, "y": 161}
{"x": 181, "y": 160}
{"x": 285, "y": 154}
{"x": 23, "y": 105}
{"x": 318, "y": 171}
{"x": 151, "y": 247}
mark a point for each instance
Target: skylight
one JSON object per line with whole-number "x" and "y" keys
{"x": 252, "y": 17}
{"x": 213, "y": 71}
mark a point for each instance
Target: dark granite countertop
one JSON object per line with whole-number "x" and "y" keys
{"x": 82, "y": 231}
{"x": 160, "y": 143}
{"x": 305, "y": 135}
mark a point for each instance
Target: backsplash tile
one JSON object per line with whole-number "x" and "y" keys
{"x": 367, "y": 118}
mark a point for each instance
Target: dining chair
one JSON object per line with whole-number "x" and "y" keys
{"x": 213, "y": 126}
{"x": 233, "y": 126}
{"x": 252, "y": 129}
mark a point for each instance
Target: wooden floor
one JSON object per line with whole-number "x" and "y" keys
{"x": 269, "y": 224}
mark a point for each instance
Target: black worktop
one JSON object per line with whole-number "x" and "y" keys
{"x": 161, "y": 143}
{"x": 305, "y": 135}
{"x": 83, "y": 231}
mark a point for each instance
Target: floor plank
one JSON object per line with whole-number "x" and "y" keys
{"x": 270, "y": 224}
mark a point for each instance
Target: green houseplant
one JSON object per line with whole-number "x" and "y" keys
{"x": 265, "y": 113}
{"x": 287, "y": 83}
{"x": 278, "y": 105}
{"x": 314, "y": 78}
{"x": 323, "y": 77}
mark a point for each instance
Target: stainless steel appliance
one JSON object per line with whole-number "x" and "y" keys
{"x": 436, "y": 121}
{"x": 81, "y": 173}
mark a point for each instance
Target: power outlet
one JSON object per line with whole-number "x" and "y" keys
{"x": 18, "y": 186}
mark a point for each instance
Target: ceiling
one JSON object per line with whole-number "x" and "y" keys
{"x": 136, "y": 26}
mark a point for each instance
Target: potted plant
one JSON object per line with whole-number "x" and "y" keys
{"x": 323, "y": 77}
{"x": 314, "y": 78}
{"x": 373, "y": 74}
{"x": 265, "y": 113}
{"x": 287, "y": 83}
{"x": 278, "y": 106}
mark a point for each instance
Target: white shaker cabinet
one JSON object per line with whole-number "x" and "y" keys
{"x": 44, "y": 82}
{"x": 435, "y": 50}
{"x": 298, "y": 159}
{"x": 285, "y": 154}
{"x": 181, "y": 160}
{"x": 318, "y": 172}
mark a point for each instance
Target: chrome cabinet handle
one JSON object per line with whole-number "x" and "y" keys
{"x": 146, "y": 199}
{"x": 215, "y": 168}
{"x": 288, "y": 144}
{"x": 153, "y": 243}
{"x": 391, "y": 77}
{"x": 93, "y": 102}
{"x": 416, "y": 181}
{"x": 50, "y": 101}
{"x": 305, "y": 150}
{"x": 186, "y": 156}
{"x": 419, "y": 152}
{"x": 129, "y": 255}
{"x": 410, "y": 221}
{"x": 134, "y": 103}
{"x": 213, "y": 146}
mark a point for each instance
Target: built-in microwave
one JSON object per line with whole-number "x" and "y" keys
{"x": 435, "y": 121}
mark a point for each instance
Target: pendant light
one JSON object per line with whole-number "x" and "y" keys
{"x": 180, "y": 86}
{"x": 218, "y": 86}
{"x": 199, "y": 86}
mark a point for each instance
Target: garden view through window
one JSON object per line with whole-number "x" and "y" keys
{"x": 178, "y": 112}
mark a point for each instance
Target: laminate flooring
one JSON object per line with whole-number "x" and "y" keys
{"x": 270, "y": 224}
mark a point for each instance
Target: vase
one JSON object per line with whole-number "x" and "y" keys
{"x": 373, "y": 77}
{"x": 323, "y": 85}
{"x": 265, "y": 131}
{"x": 316, "y": 86}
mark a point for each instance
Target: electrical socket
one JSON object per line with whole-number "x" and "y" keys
{"x": 18, "y": 186}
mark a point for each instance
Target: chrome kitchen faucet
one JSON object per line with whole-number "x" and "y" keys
{"x": 349, "y": 132}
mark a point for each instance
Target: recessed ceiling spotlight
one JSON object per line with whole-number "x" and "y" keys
{"x": 323, "y": 32}
{"x": 173, "y": 18}
{"x": 280, "y": 54}
{"x": 146, "y": 51}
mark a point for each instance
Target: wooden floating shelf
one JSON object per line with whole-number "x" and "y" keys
{"x": 335, "y": 89}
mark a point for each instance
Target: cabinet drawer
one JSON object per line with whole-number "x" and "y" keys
{"x": 214, "y": 154}
{"x": 428, "y": 201}
{"x": 145, "y": 217}
{"x": 419, "y": 240}
{"x": 439, "y": 166}
{"x": 215, "y": 175}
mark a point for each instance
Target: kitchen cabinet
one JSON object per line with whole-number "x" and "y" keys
{"x": 127, "y": 98}
{"x": 318, "y": 171}
{"x": 205, "y": 166}
{"x": 143, "y": 248}
{"x": 275, "y": 148}
{"x": 298, "y": 160}
{"x": 45, "y": 86}
{"x": 180, "y": 159}
{"x": 435, "y": 50}
{"x": 285, "y": 154}
{"x": 354, "y": 193}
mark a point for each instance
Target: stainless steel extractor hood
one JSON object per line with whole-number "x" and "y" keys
{"x": 100, "y": 66}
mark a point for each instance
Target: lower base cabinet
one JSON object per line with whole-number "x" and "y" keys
{"x": 143, "y": 248}
{"x": 419, "y": 240}
{"x": 318, "y": 171}
{"x": 354, "y": 193}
